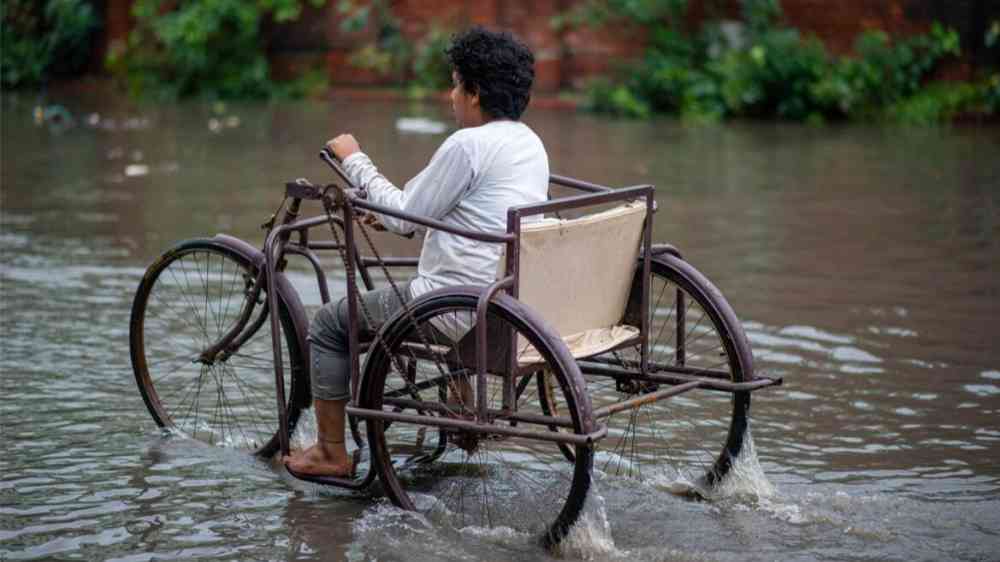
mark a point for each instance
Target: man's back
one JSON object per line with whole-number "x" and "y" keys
{"x": 509, "y": 167}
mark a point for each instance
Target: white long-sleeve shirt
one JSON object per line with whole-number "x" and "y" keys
{"x": 470, "y": 182}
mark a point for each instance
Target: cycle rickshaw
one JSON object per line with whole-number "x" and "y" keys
{"x": 481, "y": 406}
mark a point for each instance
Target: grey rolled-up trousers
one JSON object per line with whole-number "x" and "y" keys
{"x": 328, "y": 338}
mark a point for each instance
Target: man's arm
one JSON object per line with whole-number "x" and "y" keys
{"x": 432, "y": 193}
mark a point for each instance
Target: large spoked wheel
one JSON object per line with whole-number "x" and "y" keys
{"x": 477, "y": 480}
{"x": 187, "y": 300}
{"x": 695, "y": 437}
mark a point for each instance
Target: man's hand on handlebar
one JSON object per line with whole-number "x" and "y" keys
{"x": 343, "y": 146}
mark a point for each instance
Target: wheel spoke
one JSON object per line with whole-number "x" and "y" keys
{"x": 683, "y": 434}
{"x": 481, "y": 479}
{"x": 189, "y": 300}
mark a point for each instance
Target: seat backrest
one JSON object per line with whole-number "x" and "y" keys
{"x": 577, "y": 273}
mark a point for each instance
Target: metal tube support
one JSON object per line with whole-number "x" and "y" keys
{"x": 708, "y": 382}
{"x": 492, "y": 414}
{"x": 647, "y": 240}
{"x": 352, "y": 302}
{"x": 643, "y": 399}
{"x": 270, "y": 263}
{"x": 324, "y": 289}
{"x": 514, "y": 274}
{"x": 475, "y": 427}
{"x": 566, "y": 181}
{"x": 482, "y": 306}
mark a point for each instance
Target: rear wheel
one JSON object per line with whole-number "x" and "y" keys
{"x": 476, "y": 479}
{"x": 695, "y": 437}
{"x": 187, "y": 300}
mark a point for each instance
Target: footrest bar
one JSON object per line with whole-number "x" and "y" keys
{"x": 349, "y": 483}
{"x": 472, "y": 426}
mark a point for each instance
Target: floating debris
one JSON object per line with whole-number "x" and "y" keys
{"x": 420, "y": 125}
{"x": 57, "y": 117}
{"x": 135, "y": 170}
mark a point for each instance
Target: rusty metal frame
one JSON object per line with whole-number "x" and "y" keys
{"x": 352, "y": 201}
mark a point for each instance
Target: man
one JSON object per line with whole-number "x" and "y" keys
{"x": 491, "y": 163}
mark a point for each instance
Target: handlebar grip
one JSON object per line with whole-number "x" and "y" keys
{"x": 331, "y": 159}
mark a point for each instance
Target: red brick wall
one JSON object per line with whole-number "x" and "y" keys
{"x": 566, "y": 58}
{"x": 838, "y": 23}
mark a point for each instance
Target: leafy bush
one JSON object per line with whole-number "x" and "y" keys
{"x": 391, "y": 54}
{"x": 935, "y": 103}
{"x": 774, "y": 77}
{"x": 40, "y": 38}
{"x": 430, "y": 67}
{"x": 606, "y": 97}
{"x": 188, "y": 47}
{"x": 769, "y": 70}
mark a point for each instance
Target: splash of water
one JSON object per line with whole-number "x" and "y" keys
{"x": 746, "y": 479}
{"x": 590, "y": 538}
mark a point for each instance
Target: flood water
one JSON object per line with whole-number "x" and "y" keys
{"x": 864, "y": 263}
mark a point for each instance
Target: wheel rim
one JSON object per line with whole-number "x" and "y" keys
{"x": 490, "y": 481}
{"x": 187, "y": 302}
{"x": 686, "y": 442}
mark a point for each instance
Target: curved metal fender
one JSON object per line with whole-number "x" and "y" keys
{"x": 286, "y": 292}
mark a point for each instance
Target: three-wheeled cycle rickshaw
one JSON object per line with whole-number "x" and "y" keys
{"x": 479, "y": 406}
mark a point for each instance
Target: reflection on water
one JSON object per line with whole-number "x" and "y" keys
{"x": 864, "y": 263}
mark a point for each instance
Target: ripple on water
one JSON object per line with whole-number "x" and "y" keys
{"x": 984, "y": 390}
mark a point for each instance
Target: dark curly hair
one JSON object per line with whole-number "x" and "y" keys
{"x": 497, "y": 66}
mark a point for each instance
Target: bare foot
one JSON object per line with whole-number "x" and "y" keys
{"x": 319, "y": 461}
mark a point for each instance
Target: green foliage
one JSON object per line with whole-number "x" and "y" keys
{"x": 606, "y": 97}
{"x": 40, "y": 38}
{"x": 642, "y": 12}
{"x": 768, "y": 70}
{"x": 431, "y": 69}
{"x": 391, "y": 54}
{"x": 774, "y": 77}
{"x": 211, "y": 48}
{"x": 991, "y": 94}
{"x": 993, "y": 34}
{"x": 935, "y": 103}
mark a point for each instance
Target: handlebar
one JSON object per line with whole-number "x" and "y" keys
{"x": 352, "y": 190}
{"x": 331, "y": 159}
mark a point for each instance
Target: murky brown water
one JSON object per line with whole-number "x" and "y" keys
{"x": 864, "y": 262}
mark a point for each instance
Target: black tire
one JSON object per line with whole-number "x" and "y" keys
{"x": 186, "y": 301}
{"x": 482, "y": 481}
{"x": 694, "y": 437}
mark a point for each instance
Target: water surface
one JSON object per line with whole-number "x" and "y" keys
{"x": 864, "y": 262}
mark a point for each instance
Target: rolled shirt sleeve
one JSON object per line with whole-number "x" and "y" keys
{"x": 432, "y": 193}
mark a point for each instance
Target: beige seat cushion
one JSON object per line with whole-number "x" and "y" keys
{"x": 577, "y": 274}
{"x": 583, "y": 344}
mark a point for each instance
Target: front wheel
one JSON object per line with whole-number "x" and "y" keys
{"x": 479, "y": 480}
{"x": 187, "y": 300}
